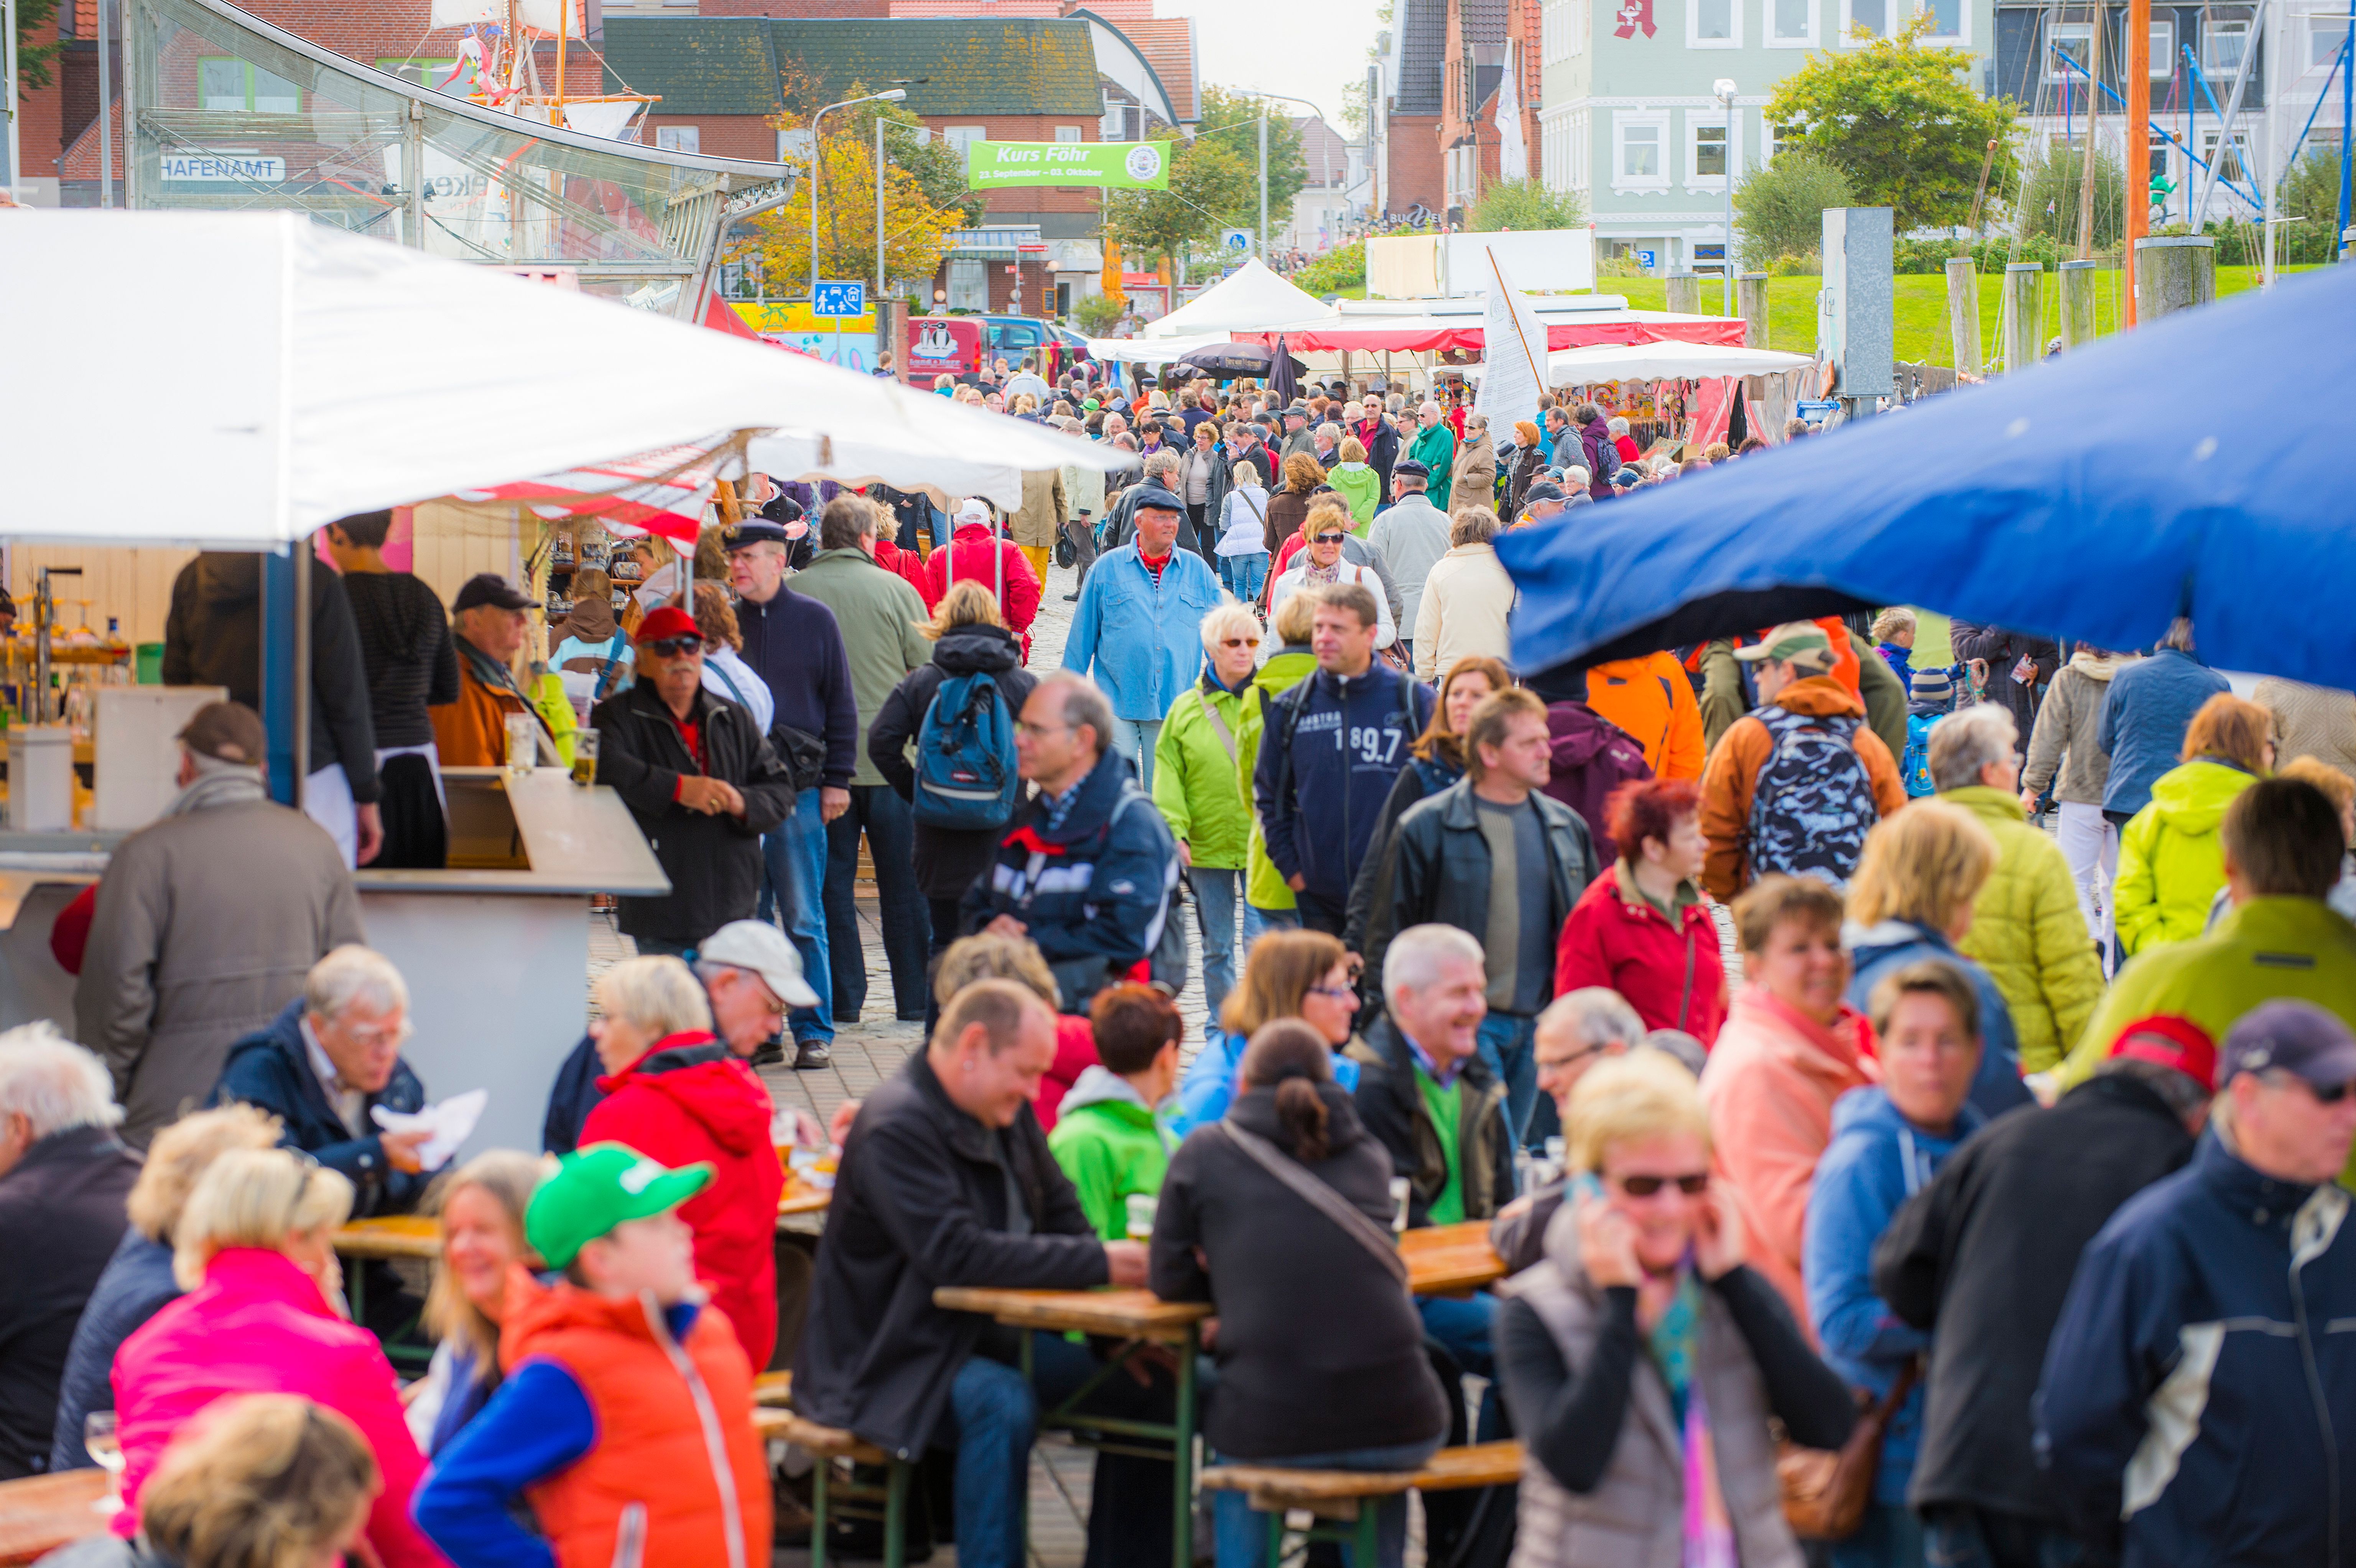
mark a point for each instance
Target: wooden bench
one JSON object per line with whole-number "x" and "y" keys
{"x": 1341, "y": 1494}
{"x": 774, "y": 1389}
{"x": 829, "y": 1445}
{"x": 40, "y": 1513}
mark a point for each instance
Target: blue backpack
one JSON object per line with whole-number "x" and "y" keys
{"x": 1813, "y": 801}
{"x": 965, "y": 756}
{"x": 1915, "y": 766}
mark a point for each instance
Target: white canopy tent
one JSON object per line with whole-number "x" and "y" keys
{"x": 1663, "y": 361}
{"x": 1155, "y": 352}
{"x": 1251, "y": 299}
{"x": 326, "y": 374}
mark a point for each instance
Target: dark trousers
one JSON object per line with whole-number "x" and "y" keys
{"x": 1082, "y": 531}
{"x": 1197, "y": 515}
{"x": 944, "y": 913}
{"x": 1318, "y": 914}
{"x": 877, "y": 810}
{"x": 1957, "y": 1536}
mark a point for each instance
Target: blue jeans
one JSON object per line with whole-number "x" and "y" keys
{"x": 1258, "y": 921}
{"x": 1506, "y": 1049}
{"x": 1243, "y": 1534}
{"x": 1956, "y": 1536}
{"x": 1217, "y": 893}
{"x": 1889, "y": 1537}
{"x": 1462, "y": 1326}
{"x": 795, "y": 859}
{"x": 1243, "y": 575}
{"x": 1135, "y": 740}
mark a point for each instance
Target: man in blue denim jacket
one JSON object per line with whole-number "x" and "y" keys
{"x": 1137, "y": 629}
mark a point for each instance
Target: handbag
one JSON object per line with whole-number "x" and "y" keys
{"x": 1825, "y": 1492}
{"x": 803, "y": 754}
{"x": 1320, "y": 1196}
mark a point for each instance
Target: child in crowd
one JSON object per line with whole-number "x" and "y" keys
{"x": 1112, "y": 1136}
{"x": 1931, "y": 697}
{"x": 1893, "y": 631}
{"x": 626, "y": 1419}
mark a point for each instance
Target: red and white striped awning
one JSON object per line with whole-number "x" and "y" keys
{"x": 665, "y": 492}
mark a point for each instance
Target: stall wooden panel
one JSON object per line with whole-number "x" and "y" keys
{"x": 132, "y": 585}
{"x": 450, "y": 543}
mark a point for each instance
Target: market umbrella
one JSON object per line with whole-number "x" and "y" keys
{"x": 1282, "y": 380}
{"x": 2094, "y": 497}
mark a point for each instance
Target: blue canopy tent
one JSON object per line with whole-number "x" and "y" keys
{"x": 2095, "y": 497}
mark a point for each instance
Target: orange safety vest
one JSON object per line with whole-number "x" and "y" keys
{"x": 678, "y": 1477}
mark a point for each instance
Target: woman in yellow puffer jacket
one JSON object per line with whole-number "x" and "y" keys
{"x": 2171, "y": 862}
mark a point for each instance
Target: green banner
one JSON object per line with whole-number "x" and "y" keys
{"x": 1117, "y": 165}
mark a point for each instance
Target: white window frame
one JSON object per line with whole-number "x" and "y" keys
{"x": 1622, "y": 121}
{"x": 1848, "y": 20}
{"x": 956, "y": 136}
{"x": 679, "y": 138}
{"x": 1961, "y": 35}
{"x": 2215, "y": 28}
{"x": 2060, "y": 32}
{"x": 2318, "y": 53}
{"x": 1696, "y": 122}
{"x": 2163, "y": 54}
{"x": 1068, "y": 133}
{"x": 251, "y": 75}
{"x": 1770, "y": 40}
{"x": 1559, "y": 35}
{"x": 1770, "y": 142}
{"x": 1694, "y": 41}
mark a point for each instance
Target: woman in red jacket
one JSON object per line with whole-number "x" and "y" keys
{"x": 675, "y": 1095}
{"x": 1641, "y": 928}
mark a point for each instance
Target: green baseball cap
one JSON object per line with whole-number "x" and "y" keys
{"x": 1800, "y": 643}
{"x": 596, "y": 1188}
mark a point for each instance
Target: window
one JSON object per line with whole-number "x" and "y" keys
{"x": 2225, "y": 165}
{"x": 240, "y": 85}
{"x": 679, "y": 138}
{"x": 1640, "y": 151}
{"x": 1873, "y": 15}
{"x": 2073, "y": 41}
{"x": 1790, "y": 23}
{"x": 1946, "y": 18}
{"x": 959, "y": 137}
{"x": 968, "y": 283}
{"x": 1067, "y": 133}
{"x": 1713, "y": 24}
{"x": 1562, "y": 30}
{"x": 2325, "y": 34}
{"x": 1771, "y": 140}
{"x": 2163, "y": 50}
{"x": 2223, "y": 44}
{"x": 432, "y": 73}
{"x": 1708, "y": 152}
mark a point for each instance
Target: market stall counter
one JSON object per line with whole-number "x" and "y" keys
{"x": 494, "y": 948}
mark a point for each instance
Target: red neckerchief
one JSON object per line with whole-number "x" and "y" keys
{"x": 1028, "y": 838}
{"x": 1153, "y": 564}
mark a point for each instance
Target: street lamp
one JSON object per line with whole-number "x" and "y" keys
{"x": 1723, "y": 88}
{"x": 1264, "y": 96}
{"x": 891, "y": 96}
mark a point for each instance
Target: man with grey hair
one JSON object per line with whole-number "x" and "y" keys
{"x": 64, "y": 1177}
{"x": 1087, "y": 870}
{"x": 323, "y": 1065}
{"x": 1576, "y": 1030}
{"x": 2027, "y": 926}
{"x": 1161, "y": 467}
{"x": 206, "y": 922}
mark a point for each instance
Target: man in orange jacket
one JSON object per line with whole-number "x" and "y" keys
{"x": 1795, "y": 785}
{"x": 1652, "y": 698}
{"x": 488, "y": 620}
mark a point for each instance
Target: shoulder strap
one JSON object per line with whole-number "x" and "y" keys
{"x": 1219, "y": 725}
{"x": 613, "y": 662}
{"x": 1319, "y": 1196}
{"x": 728, "y": 682}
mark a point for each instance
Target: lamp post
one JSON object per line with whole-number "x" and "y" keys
{"x": 1724, "y": 91}
{"x": 891, "y": 96}
{"x": 1264, "y": 97}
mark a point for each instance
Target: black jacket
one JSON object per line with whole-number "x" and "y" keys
{"x": 1440, "y": 866}
{"x": 1370, "y": 894}
{"x": 921, "y": 1202}
{"x": 1382, "y": 453}
{"x": 947, "y": 859}
{"x": 714, "y": 861}
{"x": 1319, "y": 1349}
{"x": 60, "y": 1216}
{"x": 1985, "y": 1255}
{"x": 1392, "y": 1110}
{"x": 2004, "y": 650}
{"x": 272, "y": 1069}
{"x": 212, "y": 636}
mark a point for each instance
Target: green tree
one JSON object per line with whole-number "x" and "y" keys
{"x": 1900, "y": 119}
{"x": 36, "y": 42}
{"x": 1232, "y": 120}
{"x": 1210, "y": 184}
{"x": 2310, "y": 199}
{"x": 1526, "y": 204}
{"x": 1779, "y": 210}
{"x": 2050, "y": 189}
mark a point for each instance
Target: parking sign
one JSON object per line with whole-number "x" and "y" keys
{"x": 839, "y": 299}
{"x": 1648, "y": 260}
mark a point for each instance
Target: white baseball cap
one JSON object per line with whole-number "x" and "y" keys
{"x": 973, "y": 511}
{"x": 762, "y": 948}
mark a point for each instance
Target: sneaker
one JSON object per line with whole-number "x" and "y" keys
{"x": 1071, "y": 598}
{"x": 812, "y": 1054}
{"x": 771, "y": 1054}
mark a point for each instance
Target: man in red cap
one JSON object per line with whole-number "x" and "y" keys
{"x": 699, "y": 777}
{"x": 1982, "y": 1259}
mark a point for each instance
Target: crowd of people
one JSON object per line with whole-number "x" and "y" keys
{"x": 1986, "y": 1210}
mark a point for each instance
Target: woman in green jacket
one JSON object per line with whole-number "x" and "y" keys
{"x": 2170, "y": 862}
{"x": 1434, "y": 447}
{"x": 1267, "y": 903}
{"x": 1357, "y": 484}
{"x": 1195, "y": 784}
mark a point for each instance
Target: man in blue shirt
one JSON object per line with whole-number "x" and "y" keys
{"x": 1138, "y": 626}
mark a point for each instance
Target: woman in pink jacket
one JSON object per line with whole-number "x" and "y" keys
{"x": 1790, "y": 1047}
{"x": 254, "y": 1251}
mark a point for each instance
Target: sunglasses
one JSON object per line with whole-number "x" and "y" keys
{"x": 1693, "y": 1185}
{"x": 1240, "y": 642}
{"x": 673, "y": 646}
{"x": 1326, "y": 538}
{"x": 2330, "y": 1094}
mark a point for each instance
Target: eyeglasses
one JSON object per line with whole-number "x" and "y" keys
{"x": 673, "y": 646}
{"x": 1333, "y": 992}
{"x": 1240, "y": 642}
{"x": 1326, "y": 538}
{"x": 1023, "y": 726}
{"x": 1573, "y": 1059}
{"x": 1693, "y": 1185}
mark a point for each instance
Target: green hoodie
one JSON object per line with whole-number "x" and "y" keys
{"x": 2171, "y": 862}
{"x": 1263, "y": 885}
{"x": 1111, "y": 1144}
{"x": 1361, "y": 487}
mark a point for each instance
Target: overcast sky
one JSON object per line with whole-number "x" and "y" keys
{"x": 1310, "y": 47}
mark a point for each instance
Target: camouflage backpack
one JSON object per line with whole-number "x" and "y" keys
{"x": 1811, "y": 802}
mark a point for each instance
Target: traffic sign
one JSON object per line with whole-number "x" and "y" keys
{"x": 1235, "y": 241}
{"x": 839, "y": 299}
{"x": 1648, "y": 260}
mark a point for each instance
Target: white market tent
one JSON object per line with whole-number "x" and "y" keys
{"x": 325, "y": 374}
{"x": 1154, "y": 351}
{"x": 1668, "y": 360}
{"x": 1251, "y": 299}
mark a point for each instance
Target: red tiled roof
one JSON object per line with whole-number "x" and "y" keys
{"x": 976, "y": 8}
{"x": 80, "y": 159}
{"x": 1168, "y": 46}
{"x": 800, "y": 10}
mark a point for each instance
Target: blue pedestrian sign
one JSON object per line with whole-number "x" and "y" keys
{"x": 839, "y": 299}
{"x": 1236, "y": 242}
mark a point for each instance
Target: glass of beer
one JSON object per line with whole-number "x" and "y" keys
{"x": 523, "y": 742}
{"x": 585, "y": 758}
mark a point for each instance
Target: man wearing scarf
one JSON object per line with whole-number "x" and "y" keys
{"x": 189, "y": 950}
{"x": 489, "y": 621}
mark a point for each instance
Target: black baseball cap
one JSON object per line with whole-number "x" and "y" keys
{"x": 754, "y": 530}
{"x": 1544, "y": 490}
{"x": 2299, "y": 1038}
{"x": 490, "y": 588}
{"x": 1411, "y": 466}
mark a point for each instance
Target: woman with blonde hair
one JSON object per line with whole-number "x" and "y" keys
{"x": 481, "y": 1206}
{"x": 1298, "y": 974}
{"x": 255, "y": 1246}
{"x": 2171, "y": 863}
{"x": 1321, "y": 564}
{"x": 1289, "y": 506}
{"x": 138, "y": 1282}
{"x": 260, "y": 1481}
{"x": 970, "y": 639}
{"x": 1644, "y": 1358}
{"x": 1910, "y": 901}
